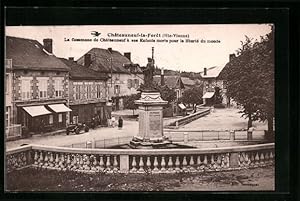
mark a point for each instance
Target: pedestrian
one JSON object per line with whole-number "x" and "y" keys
{"x": 93, "y": 123}
{"x": 120, "y": 125}
{"x": 113, "y": 121}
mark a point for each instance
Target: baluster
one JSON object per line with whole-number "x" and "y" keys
{"x": 192, "y": 164}
{"x": 262, "y": 158}
{"x": 36, "y": 157}
{"x": 267, "y": 158}
{"x": 247, "y": 159}
{"x": 68, "y": 162}
{"x": 101, "y": 164}
{"x": 94, "y": 164}
{"x": 271, "y": 157}
{"x": 46, "y": 160}
{"x": 155, "y": 164}
{"x": 148, "y": 163}
{"x": 219, "y": 162}
{"x": 227, "y": 160}
{"x": 252, "y": 160}
{"x": 41, "y": 159}
{"x": 88, "y": 162}
{"x": 163, "y": 164}
{"x": 56, "y": 160}
{"x": 177, "y": 164}
{"x": 184, "y": 164}
{"x": 256, "y": 159}
{"x": 205, "y": 162}
{"x": 170, "y": 164}
{"x": 51, "y": 160}
{"x": 115, "y": 164}
{"x": 133, "y": 164}
{"x": 80, "y": 162}
{"x": 241, "y": 159}
{"x": 61, "y": 162}
{"x": 212, "y": 162}
{"x": 199, "y": 163}
{"x": 141, "y": 165}
{"x": 108, "y": 163}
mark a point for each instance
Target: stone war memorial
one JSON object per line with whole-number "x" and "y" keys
{"x": 150, "y": 107}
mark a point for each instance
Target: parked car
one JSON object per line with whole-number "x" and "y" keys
{"x": 76, "y": 128}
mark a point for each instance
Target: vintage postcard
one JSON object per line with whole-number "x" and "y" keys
{"x": 140, "y": 107}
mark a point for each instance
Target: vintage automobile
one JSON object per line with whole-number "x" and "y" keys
{"x": 76, "y": 128}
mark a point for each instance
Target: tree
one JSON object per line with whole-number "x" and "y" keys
{"x": 192, "y": 96}
{"x": 250, "y": 79}
{"x": 129, "y": 102}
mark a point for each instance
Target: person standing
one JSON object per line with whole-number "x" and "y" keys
{"x": 113, "y": 121}
{"x": 120, "y": 123}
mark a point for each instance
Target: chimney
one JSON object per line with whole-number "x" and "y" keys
{"x": 231, "y": 57}
{"x": 205, "y": 71}
{"x": 87, "y": 60}
{"x": 162, "y": 77}
{"x": 127, "y": 55}
{"x": 71, "y": 58}
{"x": 48, "y": 45}
{"x": 109, "y": 49}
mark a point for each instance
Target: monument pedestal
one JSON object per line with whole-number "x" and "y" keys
{"x": 150, "y": 133}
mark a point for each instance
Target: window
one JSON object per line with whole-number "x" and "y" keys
{"x": 136, "y": 83}
{"x": 99, "y": 90}
{"x": 8, "y": 63}
{"x": 7, "y": 83}
{"x": 7, "y": 115}
{"x": 58, "y": 87}
{"x": 51, "y": 119}
{"x": 117, "y": 89}
{"x": 89, "y": 90}
{"x": 77, "y": 91}
{"x": 129, "y": 83}
{"x": 43, "y": 87}
{"x": 60, "y": 118}
{"x": 25, "y": 88}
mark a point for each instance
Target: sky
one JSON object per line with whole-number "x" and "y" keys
{"x": 218, "y": 41}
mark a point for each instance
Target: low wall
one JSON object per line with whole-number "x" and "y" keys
{"x": 140, "y": 161}
{"x": 187, "y": 119}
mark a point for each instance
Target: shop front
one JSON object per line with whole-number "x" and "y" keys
{"x": 42, "y": 118}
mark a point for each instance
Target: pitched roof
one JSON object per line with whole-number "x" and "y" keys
{"x": 212, "y": 72}
{"x": 188, "y": 81}
{"x": 80, "y": 72}
{"x": 101, "y": 61}
{"x": 30, "y": 54}
{"x": 171, "y": 81}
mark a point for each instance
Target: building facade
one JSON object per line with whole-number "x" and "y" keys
{"x": 87, "y": 95}
{"x": 214, "y": 87}
{"x": 125, "y": 77}
{"x": 39, "y": 86}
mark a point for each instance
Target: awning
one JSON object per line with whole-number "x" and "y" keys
{"x": 182, "y": 106}
{"x": 208, "y": 94}
{"x": 59, "y": 108}
{"x": 36, "y": 110}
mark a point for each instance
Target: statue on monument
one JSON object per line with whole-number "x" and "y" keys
{"x": 148, "y": 75}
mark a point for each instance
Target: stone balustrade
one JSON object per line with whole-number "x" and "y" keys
{"x": 140, "y": 161}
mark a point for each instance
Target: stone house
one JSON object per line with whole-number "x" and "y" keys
{"x": 213, "y": 82}
{"x": 125, "y": 76}
{"x": 39, "y": 83}
{"x": 175, "y": 83}
{"x": 87, "y": 94}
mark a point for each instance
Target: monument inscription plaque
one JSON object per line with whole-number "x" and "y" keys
{"x": 155, "y": 122}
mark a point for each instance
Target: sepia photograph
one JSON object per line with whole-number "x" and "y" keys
{"x": 160, "y": 107}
